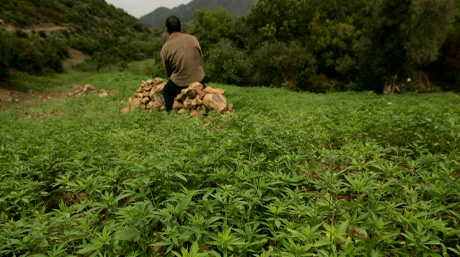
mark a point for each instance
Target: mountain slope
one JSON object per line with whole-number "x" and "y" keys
{"x": 35, "y": 36}
{"x": 236, "y": 8}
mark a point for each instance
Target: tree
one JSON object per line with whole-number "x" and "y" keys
{"x": 212, "y": 26}
{"x": 403, "y": 35}
{"x": 283, "y": 20}
{"x": 446, "y": 70}
{"x": 4, "y": 74}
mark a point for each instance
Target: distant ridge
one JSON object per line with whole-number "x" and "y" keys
{"x": 236, "y": 8}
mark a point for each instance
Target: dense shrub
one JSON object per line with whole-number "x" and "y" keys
{"x": 84, "y": 45}
{"x": 227, "y": 64}
{"x": 149, "y": 68}
{"x": 446, "y": 69}
{"x": 4, "y": 56}
{"x": 107, "y": 34}
{"x": 280, "y": 64}
{"x": 212, "y": 26}
{"x": 34, "y": 54}
{"x": 324, "y": 47}
{"x": 137, "y": 50}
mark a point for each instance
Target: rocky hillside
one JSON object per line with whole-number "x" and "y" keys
{"x": 36, "y": 35}
{"x": 236, "y": 8}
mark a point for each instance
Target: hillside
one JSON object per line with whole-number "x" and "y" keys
{"x": 236, "y": 8}
{"x": 36, "y": 35}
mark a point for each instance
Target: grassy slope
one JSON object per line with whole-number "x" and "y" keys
{"x": 290, "y": 173}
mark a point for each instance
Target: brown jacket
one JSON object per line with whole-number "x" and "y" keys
{"x": 182, "y": 59}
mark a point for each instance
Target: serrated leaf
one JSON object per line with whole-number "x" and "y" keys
{"x": 456, "y": 251}
{"x": 322, "y": 242}
{"x": 179, "y": 175}
{"x": 87, "y": 248}
{"x": 212, "y": 220}
{"x": 327, "y": 226}
{"x": 161, "y": 244}
{"x": 129, "y": 234}
{"x": 146, "y": 180}
{"x": 433, "y": 242}
{"x": 123, "y": 196}
{"x": 342, "y": 229}
{"x": 455, "y": 214}
{"x": 277, "y": 223}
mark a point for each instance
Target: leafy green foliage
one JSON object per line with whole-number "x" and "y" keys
{"x": 332, "y": 46}
{"x": 4, "y": 59}
{"x": 346, "y": 174}
{"x": 212, "y": 26}
{"x": 33, "y": 53}
{"x": 446, "y": 69}
{"x": 108, "y": 35}
{"x": 278, "y": 19}
{"x": 226, "y": 64}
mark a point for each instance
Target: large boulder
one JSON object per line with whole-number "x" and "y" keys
{"x": 215, "y": 102}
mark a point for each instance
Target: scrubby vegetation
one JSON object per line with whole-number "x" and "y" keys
{"x": 108, "y": 35}
{"x": 335, "y": 46}
{"x": 291, "y": 174}
{"x": 304, "y": 45}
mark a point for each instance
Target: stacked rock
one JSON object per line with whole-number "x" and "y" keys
{"x": 199, "y": 100}
{"x": 82, "y": 90}
{"x": 148, "y": 96}
{"x": 196, "y": 99}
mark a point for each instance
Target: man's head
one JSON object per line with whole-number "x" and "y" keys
{"x": 173, "y": 24}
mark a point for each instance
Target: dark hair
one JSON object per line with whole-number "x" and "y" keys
{"x": 173, "y": 24}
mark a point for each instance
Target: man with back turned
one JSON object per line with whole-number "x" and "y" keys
{"x": 182, "y": 60}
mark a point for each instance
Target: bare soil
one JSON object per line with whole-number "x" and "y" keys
{"x": 75, "y": 57}
{"x": 45, "y": 27}
{"x": 12, "y": 98}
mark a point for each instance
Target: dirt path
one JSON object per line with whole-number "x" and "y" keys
{"x": 45, "y": 27}
{"x": 16, "y": 99}
{"x": 11, "y": 98}
{"x": 75, "y": 57}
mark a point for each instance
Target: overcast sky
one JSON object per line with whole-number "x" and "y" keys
{"x": 138, "y": 8}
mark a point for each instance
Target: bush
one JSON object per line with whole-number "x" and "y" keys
{"x": 265, "y": 64}
{"x": 4, "y": 74}
{"x": 151, "y": 68}
{"x": 212, "y": 26}
{"x": 226, "y": 64}
{"x": 108, "y": 35}
{"x": 34, "y": 54}
{"x": 137, "y": 50}
{"x": 84, "y": 45}
{"x": 280, "y": 64}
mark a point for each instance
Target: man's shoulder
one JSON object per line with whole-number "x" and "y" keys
{"x": 184, "y": 36}
{"x": 177, "y": 39}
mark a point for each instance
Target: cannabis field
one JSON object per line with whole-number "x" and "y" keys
{"x": 290, "y": 174}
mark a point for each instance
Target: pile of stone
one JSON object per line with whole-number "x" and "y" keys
{"x": 148, "y": 96}
{"x": 195, "y": 99}
{"x": 82, "y": 90}
{"x": 199, "y": 100}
